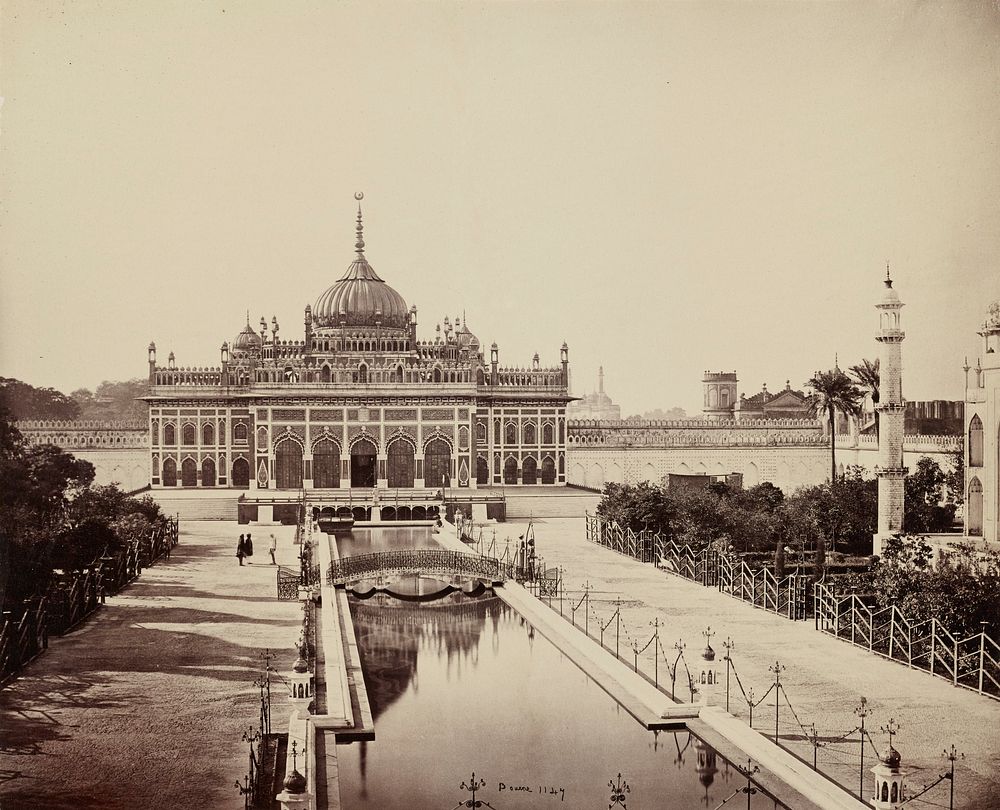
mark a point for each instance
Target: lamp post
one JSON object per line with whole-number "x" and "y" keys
{"x": 862, "y": 711}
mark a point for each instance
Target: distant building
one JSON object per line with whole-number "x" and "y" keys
{"x": 786, "y": 404}
{"x": 597, "y": 405}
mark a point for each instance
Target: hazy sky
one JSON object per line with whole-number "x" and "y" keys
{"x": 668, "y": 187}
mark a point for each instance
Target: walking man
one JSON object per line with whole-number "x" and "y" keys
{"x": 241, "y": 549}
{"x": 272, "y": 544}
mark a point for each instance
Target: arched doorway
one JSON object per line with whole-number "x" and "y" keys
{"x": 326, "y": 464}
{"x": 400, "y": 463}
{"x": 510, "y": 470}
{"x": 974, "y": 523}
{"x": 208, "y": 473}
{"x": 529, "y": 471}
{"x": 482, "y": 471}
{"x": 363, "y": 458}
{"x": 169, "y": 473}
{"x": 241, "y": 474}
{"x": 288, "y": 464}
{"x": 548, "y": 470}
{"x": 189, "y": 473}
{"x": 437, "y": 464}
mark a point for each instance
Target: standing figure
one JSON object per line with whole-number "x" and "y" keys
{"x": 241, "y": 549}
{"x": 272, "y": 544}
{"x": 248, "y": 548}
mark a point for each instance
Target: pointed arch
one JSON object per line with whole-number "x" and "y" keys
{"x": 975, "y": 442}
{"x": 529, "y": 470}
{"x": 548, "y": 470}
{"x": 208, "y": 434}
{"x": 188, "y": 434}
{"x": 974, "y": 506}
{"x": 400, "y": 462}
{"x": 169, "y": 472}
{"x": 437, "y": 463}
{"x": 288, "y": 463}
{"x": 169, "y": 434}
{"x": 240, "y": 477}
{"x": 189, "y": 472}
{"x": 482, "y": 471}
{"x": 207, "y": 472}
{"x": 510, "y": 470}
{"x": 326, "y": 463}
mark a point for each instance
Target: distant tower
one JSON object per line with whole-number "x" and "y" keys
{"x": 720, "y": 394}
{"x": 890, "y": 468}
{"x": 706, "y": 765}
{"x": 600, "y": 379}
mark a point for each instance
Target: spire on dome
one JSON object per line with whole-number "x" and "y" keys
{"x": 359, "y": 246}
{"x": 888, "y": 279}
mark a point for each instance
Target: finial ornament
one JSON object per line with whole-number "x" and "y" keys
{"x": 888, "y": 280}
{"x": 359, "y": 246}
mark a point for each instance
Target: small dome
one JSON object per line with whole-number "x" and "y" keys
{"x": 891, "y": 757}
{"x": 295, "y": 782}
{"x": 247, "y": 340}
{"x": 708, "y": 654}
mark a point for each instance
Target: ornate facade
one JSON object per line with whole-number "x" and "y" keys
{"x": 358, "y": 401}
{"x": 982, "y": 431}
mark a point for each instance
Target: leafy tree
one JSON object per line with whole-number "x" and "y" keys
{"x": 925, "y": 509}
{"x": 833, "y": 391}
{"x": 866, "y": 374}
{"x": 24, "y": 401}
{"x": 114, "y": 401}
{"x": 955, "y": 477}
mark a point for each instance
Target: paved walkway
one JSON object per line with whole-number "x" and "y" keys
{"x": 144, "y": 705}
{"x": 824, "y": 677}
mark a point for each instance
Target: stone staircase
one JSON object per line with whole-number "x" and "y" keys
{"x": 218, "y": 508}
{"x": 552, "y": 504}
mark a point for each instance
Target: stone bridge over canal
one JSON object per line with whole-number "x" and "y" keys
{"x": 418, "y": 561}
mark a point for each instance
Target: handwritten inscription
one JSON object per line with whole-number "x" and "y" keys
{"x": 540, "y": 790}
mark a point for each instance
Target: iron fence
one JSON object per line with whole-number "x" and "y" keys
{"x": 422, "y": 560}
{"x": 74, "y": 595}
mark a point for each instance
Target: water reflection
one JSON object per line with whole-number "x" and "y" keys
{"x": 464, "y": 684}
{"x": 366, "y": 541}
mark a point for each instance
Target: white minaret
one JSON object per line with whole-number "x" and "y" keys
{"x": 890, "y": 468}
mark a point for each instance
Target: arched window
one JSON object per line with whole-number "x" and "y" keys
{"x": 548, "y": 470}
{"x": 169, "y": 473}
{"x": 548, "y": 434}
{"x": 400, "y": 464}
{"x": 241, "y": 474}
{"x": 208, "y": 473}
{"x": 436, "y": 377}
{"x": 511, "y": 433}
{"x": 974, "y": 505}
{"x": 482, "y": 471}
{"x": 496, "y": 432}
{"x": 363, "y": 374}
{"x": 208, "y": 434}
{"x": 975, "y": 442}
{"x": 399, "y": 374}
{"x": 510, "y": 471}
{"x": 154, "y": 431}
{"x": 188, "y": 434}
{"x": 529, "y": 471}
{"x": 326, "y": 465}
{"x": 437, "y": 464}
{"x": 189, "y": 473}
{"x": 894, "y": 793}
{"x": 463, "y": 437}
{"x": 324, "y": 375}
{"x": 288, "y": 464}
{"x": 240, "y": 433}
{"x": 885, "y": 791}
{"x": 481, "y": 433}
{"x": 529, "y": 432}
{"x": 170, "y": 437}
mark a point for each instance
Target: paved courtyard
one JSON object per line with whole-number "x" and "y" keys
{"x": 824, "y": 677}
{"x": 144, "y": 704}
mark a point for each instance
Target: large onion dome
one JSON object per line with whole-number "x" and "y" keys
{"x": 360, "y": 297}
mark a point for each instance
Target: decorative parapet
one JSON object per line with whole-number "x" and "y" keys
{"x": 86, "y": 433}
{"x": 912, "y": 442}
{"x": 695, "y": 433}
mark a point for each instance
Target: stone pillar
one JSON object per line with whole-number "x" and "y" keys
{"x": 890, "y": 470}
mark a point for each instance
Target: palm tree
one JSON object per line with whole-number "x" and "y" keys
{"x": 866, "y": 375}
{"x": 833, "y": 391}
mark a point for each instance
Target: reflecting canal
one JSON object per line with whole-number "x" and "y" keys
{"x": 463, "y": 684}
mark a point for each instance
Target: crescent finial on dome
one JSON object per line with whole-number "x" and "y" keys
{"x": 359, "y": 246}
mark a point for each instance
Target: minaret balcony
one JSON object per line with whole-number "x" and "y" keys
{"x": 891, "y": 472}
{"x": 891, "y": 407}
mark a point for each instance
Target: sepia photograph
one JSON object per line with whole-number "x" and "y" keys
{"x": 512, "y": 404}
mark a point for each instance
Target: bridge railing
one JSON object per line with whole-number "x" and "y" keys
{"x": 363, "y": 566}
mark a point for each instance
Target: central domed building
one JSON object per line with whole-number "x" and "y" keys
{"x": 359, "y": 402}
